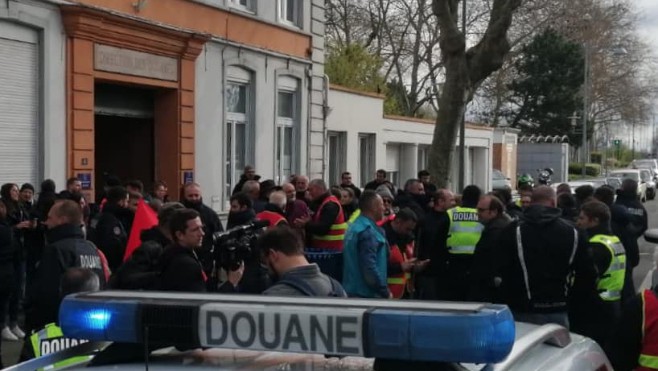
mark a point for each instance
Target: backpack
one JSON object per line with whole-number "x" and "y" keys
{"x": 303, "y": 287}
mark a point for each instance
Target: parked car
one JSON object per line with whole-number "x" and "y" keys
{"x": 500, "y": 181}
{"x": 634, "y": 174}
{"x": 646, "y": 163}
{"x": 650, "y": 180}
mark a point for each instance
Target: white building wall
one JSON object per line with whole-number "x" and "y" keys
{"x": 45, "y": 19}
{"x": 355, "y": 113}
{"x": 266, "y": 70}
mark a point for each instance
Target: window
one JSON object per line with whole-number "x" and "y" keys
{"x": 393, "y": 163}
{"x": 289, "y": 12}
{"x": 337, "y": 156}
{"x": 287, "y": 129}
{"x": 423, "y": 157}
{"x": 243, "y": 4}
{"x": 237, "y": 129}
{"x": 366, "y": 158}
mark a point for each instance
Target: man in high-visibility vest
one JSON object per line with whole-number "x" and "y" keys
{"x": 326, "y": 229}
{"x": 634, "y": 342}
{"x": 274, "y": 210}
{"x": 50, "y": 338}
{"x": 401, "y": 259}
{"x": 464, "y": 233}
{"x": 597, "y": 317}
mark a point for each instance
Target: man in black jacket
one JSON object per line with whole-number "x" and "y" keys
{"x": 181, "y": 269}
{"x": 432, "y": 247}
{"x": 211, "y": 224}
{"x": 536, "y": 259}
{"x": 67, "y": 248}
{"x": 638, "y": 224}
{"x": 491, "y": 213}
{"x": 413, "y": 197}
{"x": 346, "y": 182}
{"x": 248, "y": 174}
{"x": 109, "y": 229}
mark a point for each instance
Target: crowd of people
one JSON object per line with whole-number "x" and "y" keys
{"x": 552, "y": 256}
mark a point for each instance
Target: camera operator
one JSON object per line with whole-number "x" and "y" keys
{"x": 180, "y": 268}
{"x": 241, "y": 212}
{"x": 283, "y": 253}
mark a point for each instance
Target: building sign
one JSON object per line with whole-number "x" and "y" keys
{"x": 131, "y": 62}
{"x": 85, "y": 180}
{"x": 188, "y": 177}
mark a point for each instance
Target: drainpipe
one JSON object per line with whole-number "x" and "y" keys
{"x": 325, "y": 114}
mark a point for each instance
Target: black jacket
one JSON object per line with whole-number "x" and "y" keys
{"x": 398, "y": 241}
{"x": 66, "y": 249}
{"x": 141, "y": 271}
{"x": 514, "y": 211}
{"x": 432, "y": 242}
{"x": 417, "y": 203}
{"x": 549, "y": 259}
{"x": 211, "y": 225}
{"x": 236, "y": 219}
{"x": 589, "y": 315}
{"x": 625, "y": 345}
{"x": 181, "y": 270}
{"x": 7, "y": 257}
{"x": 326, "y": 219}
{"x": 110, "y": 234}
{"x": 243, "y": 180}
{"x": 373, "y": 185}
{"x": 482, "y": 272}
{"x": 638, "y": 224}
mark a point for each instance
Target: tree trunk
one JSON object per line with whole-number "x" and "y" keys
{"x": 464, "y": 73}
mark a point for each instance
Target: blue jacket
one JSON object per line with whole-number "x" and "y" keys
{"x": 365, "y": 258}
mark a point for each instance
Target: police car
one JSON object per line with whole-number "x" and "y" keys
{"x": 165, "y": 331}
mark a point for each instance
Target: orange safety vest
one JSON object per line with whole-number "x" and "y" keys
{"x": 397, "y": 283}
{"x": 648, "y": 360}
{"x": 272, "y": 217}
{"x": 385, "y": 220}
{"x": 334, "y": 239}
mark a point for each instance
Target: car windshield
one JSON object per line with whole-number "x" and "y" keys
{"x": 626, "y": 175}
{"x": 646, "y": 175}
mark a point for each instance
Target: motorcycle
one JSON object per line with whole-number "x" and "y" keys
{"x": 544, "y": 176}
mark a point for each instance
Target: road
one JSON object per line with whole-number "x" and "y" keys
{"x": 11, "y": 350}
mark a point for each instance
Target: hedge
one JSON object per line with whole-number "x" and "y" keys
{"x": 590, "y": 169}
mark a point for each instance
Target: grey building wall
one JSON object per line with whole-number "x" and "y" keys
{"x": 533, "y": 156}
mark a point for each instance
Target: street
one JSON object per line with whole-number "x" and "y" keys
{"x": 11, "y": 350}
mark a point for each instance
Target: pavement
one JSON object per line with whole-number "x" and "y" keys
{"x": 11, "y": 349}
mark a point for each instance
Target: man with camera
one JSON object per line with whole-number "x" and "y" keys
{"x": 181, "y": 269}
{"x": 282, "y": 251}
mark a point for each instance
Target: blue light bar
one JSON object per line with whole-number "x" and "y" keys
{"x": 414, "y": 331}
{"x": 92, "y": 320}
{"x": 486, "y": 336}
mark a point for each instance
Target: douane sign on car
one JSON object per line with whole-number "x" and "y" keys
{"x": 277, "y": 328}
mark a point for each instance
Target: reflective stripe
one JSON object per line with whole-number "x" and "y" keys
{"x": 519, "y": 248}
{"x": 465, "y": 229}
{"x": 648, "y": 361}
{"x": 329, "y": 237}
{"x": 52, "y": 340}
{"x": 610, "y": 295}
{"x": 461, "y": 249}
{"x": 611, "y": 281}
{"x": 396, "y": 281}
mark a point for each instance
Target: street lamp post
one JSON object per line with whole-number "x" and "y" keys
{"x": 585, "y": 111}
{"x": 462, "y": 126}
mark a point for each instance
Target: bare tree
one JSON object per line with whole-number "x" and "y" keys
{"x": 465, "y": 71}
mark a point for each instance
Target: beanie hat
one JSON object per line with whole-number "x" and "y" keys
{"x": 27, "y": 186}
{"x": 384, "y": 192}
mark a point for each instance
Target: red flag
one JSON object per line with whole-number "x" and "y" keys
{"x": 145, "y": 218}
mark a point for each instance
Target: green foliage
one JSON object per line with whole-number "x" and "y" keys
{"x": 596, "y": 157}
{"x": 396, "y": 98}
{"x": 352, "y": 66}
{"x": 547, "y": 93}
{"x": 575, "y": 168}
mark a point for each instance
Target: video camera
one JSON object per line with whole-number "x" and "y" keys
{"x": 234, "y": 246}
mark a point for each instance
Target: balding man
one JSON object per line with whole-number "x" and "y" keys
{"x": 536, "y": 259}
{"x": 274, "y": 211}
{"x": 327, "y": 227}
{"x": 301, "y": 189}
{"x": 295, "y": 209}
{"x": 67, "y": 248}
